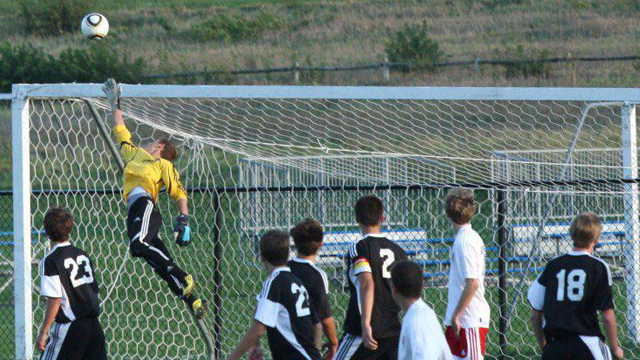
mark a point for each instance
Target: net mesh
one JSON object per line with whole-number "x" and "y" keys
{"x": 252, "y": 165}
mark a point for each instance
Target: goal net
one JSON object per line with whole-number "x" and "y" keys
{"x": 259, "y": 158}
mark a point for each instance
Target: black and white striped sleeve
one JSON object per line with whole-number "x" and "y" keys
{"x": 321, "y": 304}
{"x": 50, "y": 279}
{"x": 268, "y": 306}
{"x": 604, "y": 293}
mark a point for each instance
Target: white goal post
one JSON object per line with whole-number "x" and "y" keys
{"x": 220, "y": 128}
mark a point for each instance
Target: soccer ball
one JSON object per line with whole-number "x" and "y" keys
{"x": 95, "y": 26}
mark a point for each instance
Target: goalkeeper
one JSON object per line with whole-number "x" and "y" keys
{"x": 147, "y": 170}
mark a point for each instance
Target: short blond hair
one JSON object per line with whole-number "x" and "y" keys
{"x": 460, "y": 205}
{"x": 585, "y": 229}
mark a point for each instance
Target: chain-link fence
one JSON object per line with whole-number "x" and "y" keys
{"x": 6, "y": 275}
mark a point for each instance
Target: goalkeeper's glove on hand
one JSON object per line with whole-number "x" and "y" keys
{"x": 113, "y": 91}
{"x": 182, "y": 231}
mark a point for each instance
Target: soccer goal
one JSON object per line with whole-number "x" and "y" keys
{"x": 256, "y": 158}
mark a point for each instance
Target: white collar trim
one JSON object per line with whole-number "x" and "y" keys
{"x": 279, "y": 270}
{"x": 373, "y": 235}
{"x": 66, "y": 243}
{"x": 305, "y": 261}
{"x": 578, "y": 253}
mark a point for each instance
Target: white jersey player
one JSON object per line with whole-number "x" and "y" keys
{"x": 468, "y": 312}
{"x": 421, "y": 336}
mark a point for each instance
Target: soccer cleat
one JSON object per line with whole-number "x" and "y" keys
{"x": 189, "y": 286}
{"x": 199, "y": 307}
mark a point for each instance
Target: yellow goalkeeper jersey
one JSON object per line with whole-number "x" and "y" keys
{"x": 142, "y": 169}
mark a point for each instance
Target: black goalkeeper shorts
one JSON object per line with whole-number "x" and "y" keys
{"x": 143, "y": 221}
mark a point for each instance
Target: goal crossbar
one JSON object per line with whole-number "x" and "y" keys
{"x": 332, "y": 92}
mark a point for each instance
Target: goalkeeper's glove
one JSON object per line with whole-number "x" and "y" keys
{"x": 113, "y": 91}
{"x": 182, "y": 231}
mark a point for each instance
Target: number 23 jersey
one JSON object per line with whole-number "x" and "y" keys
{"x": 67, "y": 273}
{"x": 374, "y": 254}
{"x": 570, "y": 291}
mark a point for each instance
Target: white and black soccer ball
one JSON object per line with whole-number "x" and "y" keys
{"x": 95, "y": 26}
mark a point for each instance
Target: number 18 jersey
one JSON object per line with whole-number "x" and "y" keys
{"x": 67, "y": 273}
{"x": 569, "y": 292}
{"x": 374, "y": 254}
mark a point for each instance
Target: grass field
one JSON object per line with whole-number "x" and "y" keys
{"x": 334, "y": 33}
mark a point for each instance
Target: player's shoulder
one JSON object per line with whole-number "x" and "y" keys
{"x": 467, "y": 234}
{"x": 281, "y": 278}
{"x": 306, "y": 268}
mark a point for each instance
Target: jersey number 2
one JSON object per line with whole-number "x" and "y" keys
{"x": 389, "y": 258}
{"x": 74, "y": 265}
{"x": 301, "y": 310}
{"x": 573, "y": 284}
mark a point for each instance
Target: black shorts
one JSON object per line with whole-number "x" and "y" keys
{"x": 351, "y": 348}
{"x": 81, "y": 339}
{"x": 143, "y": 221}
{"x": 576, "y": 348}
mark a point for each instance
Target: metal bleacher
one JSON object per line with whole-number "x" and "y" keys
{"x": 433, "y": 253}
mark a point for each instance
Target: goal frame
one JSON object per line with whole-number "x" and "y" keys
{"x": 23, "y": 93}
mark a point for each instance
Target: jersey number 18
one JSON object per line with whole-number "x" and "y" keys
{"x": 572, "y": 285}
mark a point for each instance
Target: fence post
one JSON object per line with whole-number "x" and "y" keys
{"x": 476, "y": 64}
{"x": 502, "y": 270}
{"x": 21, "y": 226}
{"x": 385, "y": 69}
{"x": 296, "y": 72}
{"x": 632, "y": 225}
{"x": 217, "y": 276}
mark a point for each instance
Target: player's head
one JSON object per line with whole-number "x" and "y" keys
{"x": 58, "y": 224}
{"x": 369, "y": 211}
{"x": 460, "y": 205}
{"x": 307, "y": 236}
{"x": 585, "y": 230}
{"x": 274, "y": 247}
{"x": 162, "y": 148}
{"x": 406, "y": 280}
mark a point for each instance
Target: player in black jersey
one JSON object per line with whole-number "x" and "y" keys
{"x": 372, "y": 326}
{"x": 283, "y": 309}
{"x": 68, "y": 281}
{"x": 567, "y": 296}
{"x": 307, "y": 236}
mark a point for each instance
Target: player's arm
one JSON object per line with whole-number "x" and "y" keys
{"x": 604, "y": 303}
{"x": 329, "y": 329}
{"x": 366, "y": 289}
{"x": 51, "y": 287}
{"x": 171, "y": 180}
{"x": 535, "y": 295}
{"x": 361, "y": 270}
{"x": 472, "y": 270}
{"x": 536, "y": 324}
{"x": 611, "y": 329}
{"x": 250, "y": 340}
{"x": 470, "y": 288}
{"x": 53, "y": 305}
{"x": 123, "y": 136}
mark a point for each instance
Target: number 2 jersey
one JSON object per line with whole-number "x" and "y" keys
{"x": 284, "y": 308}
{"x": 569, "y": 292}
{"x": 67, "y": 273}
{"x": 374, "y": 254}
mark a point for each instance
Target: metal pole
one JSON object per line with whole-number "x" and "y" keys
{"x": 502, "y": 270}
{"x": 632, "y": 225}
{"x": 217, "y": 276}
{"x": 20, "y": 125}
{"x": 105, "y": 136}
